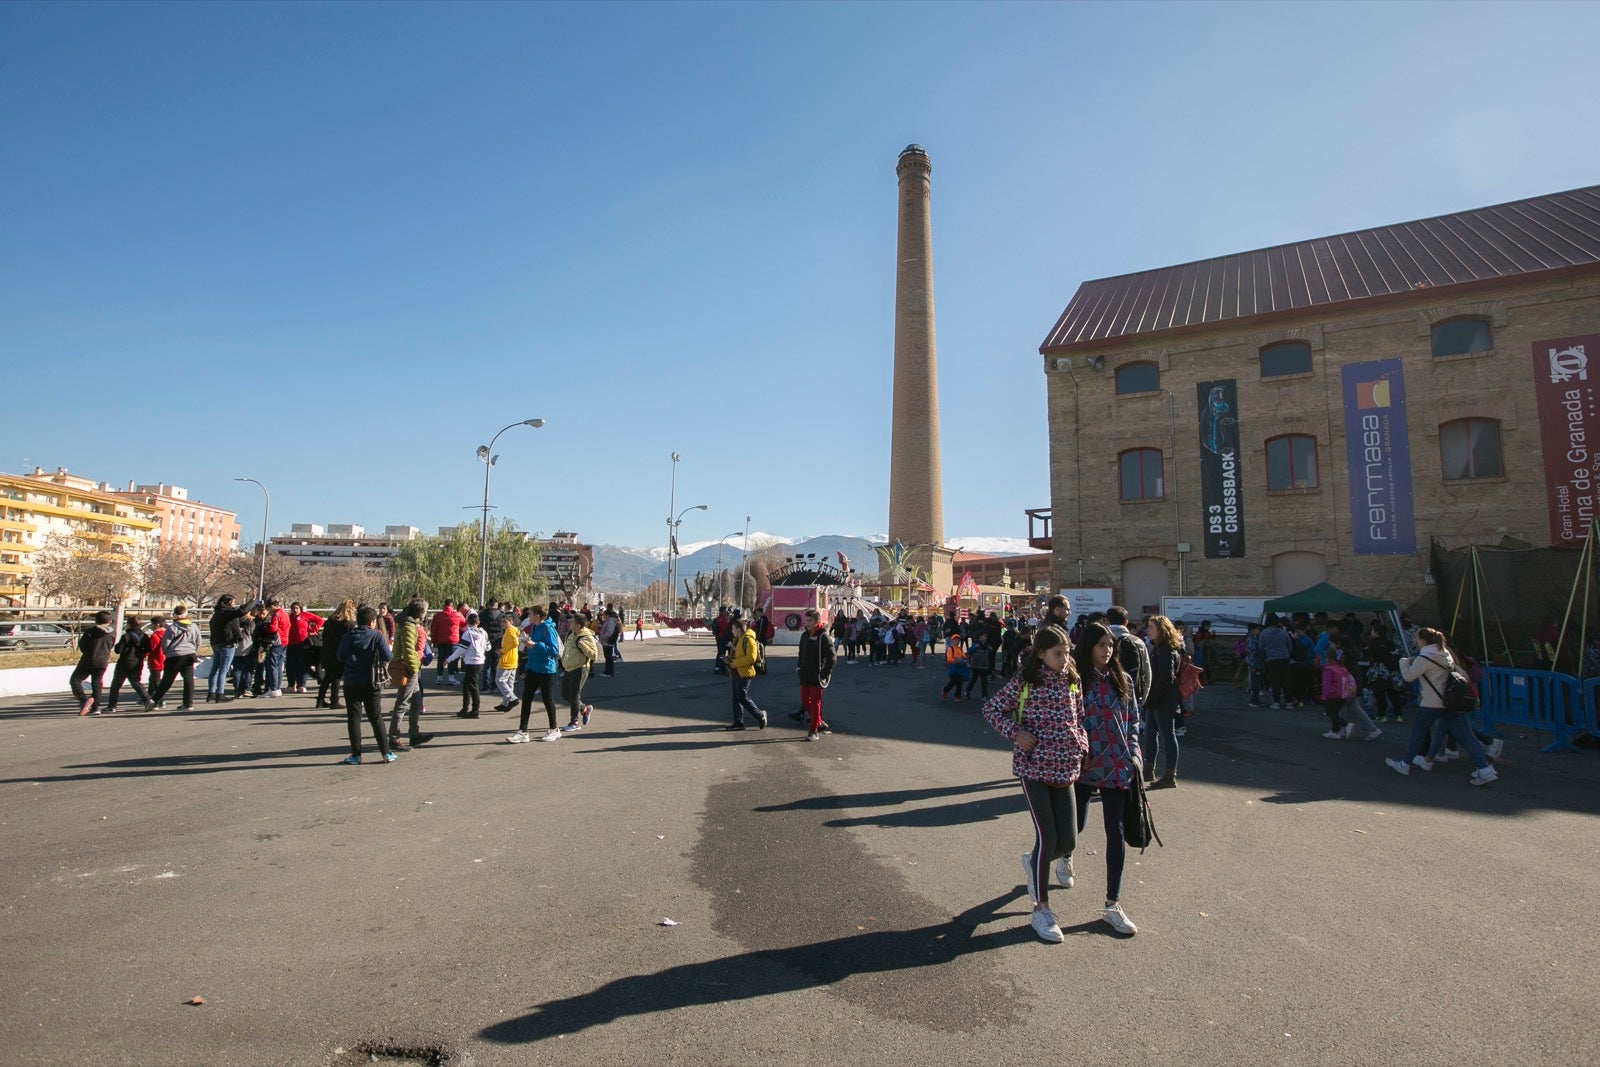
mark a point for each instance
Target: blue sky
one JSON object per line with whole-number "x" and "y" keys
{"x": 335, "y": 247}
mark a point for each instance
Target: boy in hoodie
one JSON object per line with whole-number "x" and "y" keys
{"x": 541, "y": 662}
{"x": 130, "y": 651}
{"x": 180, "y": 645}
{"x": 94, "y": 653}
{"x": 471, "y": 652}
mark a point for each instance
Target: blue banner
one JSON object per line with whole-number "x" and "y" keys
{"x": 1379, "y": 454}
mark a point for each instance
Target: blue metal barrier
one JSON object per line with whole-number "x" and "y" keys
{"x": 1540, "y": 700}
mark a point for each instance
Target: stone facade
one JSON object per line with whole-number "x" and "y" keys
{"x": 1297, "y": 536}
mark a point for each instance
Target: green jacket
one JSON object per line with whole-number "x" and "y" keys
{"x": 407, "y": 644}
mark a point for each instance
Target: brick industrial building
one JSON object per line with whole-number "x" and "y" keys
{"x": 1257, "y": 423}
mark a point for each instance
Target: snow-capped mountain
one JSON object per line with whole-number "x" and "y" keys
{"x": 620, "y": 567}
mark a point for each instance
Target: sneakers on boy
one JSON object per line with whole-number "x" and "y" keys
{"x": 1118, "y": 920}
{"x": 519, "y": 738}
{"x": 553, "y": 735}
{"x": 1374, "y": 735}
{"x": 1044, "y": 924}
{"x": 1421, "y": 762}
{"x": 1483, "y": 777}
{"x": 1064, "y": 872}
{"x": 1397, "y": 766}
{"x": 1495, "y": 747}
{"x": 572, "y": 727}
{"x": 588, "y": 710}
{"x": 1334, "y": 735}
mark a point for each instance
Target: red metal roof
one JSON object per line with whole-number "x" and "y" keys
{"x": 1554, "y": 232}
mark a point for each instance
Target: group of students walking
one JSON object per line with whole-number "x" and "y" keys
{"x": 1073, "y": 716}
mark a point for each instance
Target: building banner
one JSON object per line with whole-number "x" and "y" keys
{"x": 1379, "y": 454}
{"x": 1567, "y": 423}
{"x": 1220, "y": 500}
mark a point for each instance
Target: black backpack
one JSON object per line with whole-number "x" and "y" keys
{"x": 1459, "y": 694}
{"x": 1128, "y": 656}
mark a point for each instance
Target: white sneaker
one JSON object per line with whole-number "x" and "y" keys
{"x": 1027, "y": 873}
{"x": 519, "y": 738}
{"x": 1064, "y": 872}
{"x": 1421, "y": 762}
{"x": 1375, "y": 734}
{"x": 274, "y": 692}
{"x": 1334, "y": 735}
{"x": 1044, "y": 924}
{"x": 1483, "y": 777}
{"x": 1447, "y": 756}
{"x": 1349, "y": 728}
{"x": 1397, "y": 766}
{"x": 1277, "y": 707}
{"x": 1118, "y": 920}
{"x": 553, "y": 735}
{"x": 1497, "y": 746}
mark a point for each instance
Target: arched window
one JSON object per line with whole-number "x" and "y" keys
{"x": 1285, "y": 357}
{"x": 1292, "y": 462}
{"x": 1138, "y": 378}
{"x": 1455, "y": 337}
{"x": 1470, "y": 448}
{"x": 1139, "y": 471}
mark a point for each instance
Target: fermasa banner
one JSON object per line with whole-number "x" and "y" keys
{"x": 1220, "y": 499}
{"x": 1569, "y": 432}
{"x": 1379, "y": 454}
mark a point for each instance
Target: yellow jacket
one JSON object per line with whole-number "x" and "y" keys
{"x": 743, "y": 655}
{"x": 508, "y": 648}
{"x": 580, "y": 649}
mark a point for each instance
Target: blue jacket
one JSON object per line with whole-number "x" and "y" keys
{"x": 543, "y": 649}
{"x": 357, "y": 649}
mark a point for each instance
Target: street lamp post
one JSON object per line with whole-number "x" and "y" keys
{"x": 261, "y": 580}
{"x": 672, "y": 553}
{"x": 672, "y": 506}
{"x": 27, "y": 583}
{"x": 744, "y": 561}
{"x": 486, "y": 453}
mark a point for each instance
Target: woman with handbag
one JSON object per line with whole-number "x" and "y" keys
{"x": 1161, "y": 708}
{"x": 332, "y": 632}
{"x": 1111, "y": 721}
{"x": 1040, "y": 712}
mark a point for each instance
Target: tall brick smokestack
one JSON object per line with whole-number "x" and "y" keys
{"x": 916, "y": 499}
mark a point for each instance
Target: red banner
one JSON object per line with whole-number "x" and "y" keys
{"x": 1569, "y": 430}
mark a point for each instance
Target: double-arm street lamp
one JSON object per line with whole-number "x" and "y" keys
{"x": 486, "y": 453}
{"x": 261, "y": 580}
{"x": 672, "y": 551}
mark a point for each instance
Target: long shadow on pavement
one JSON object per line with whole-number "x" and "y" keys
{"x": 749, "y": 975}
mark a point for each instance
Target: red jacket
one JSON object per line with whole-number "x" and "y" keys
{"x": 157, "y": 657}
{"x": 303, "y": 625}
{"x": 279, "y": 621}
{"x": 445, "y": 629}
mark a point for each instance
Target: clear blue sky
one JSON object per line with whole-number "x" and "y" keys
{"x": 335, "y": 247}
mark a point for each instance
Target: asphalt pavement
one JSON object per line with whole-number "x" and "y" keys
{"x": 856, "y": 900}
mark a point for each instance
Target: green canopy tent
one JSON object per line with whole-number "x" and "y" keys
{"x": 1335, "y": 601}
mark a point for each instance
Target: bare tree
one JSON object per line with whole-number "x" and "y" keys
{"x": 284, "y": 578}
{"x": 195, "y": 577}
{"x": 77, "y": 568}
{"x": 328, "y": 585}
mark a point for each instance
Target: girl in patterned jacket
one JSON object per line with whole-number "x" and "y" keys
{"x": 1040, "y": 711}
{"x": 1111, "y": 721}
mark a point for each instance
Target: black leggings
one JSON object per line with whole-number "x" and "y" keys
{"x": 953, "y": 684}
{"x": 1055, "y": 827}
{"x": 1112, "y": 803}
{"x": 359, "y": 698}
{"x": 979, "y": 678}
{"x": 544, "y": 685}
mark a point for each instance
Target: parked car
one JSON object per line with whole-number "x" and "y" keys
{"x": 23, "y": 635}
